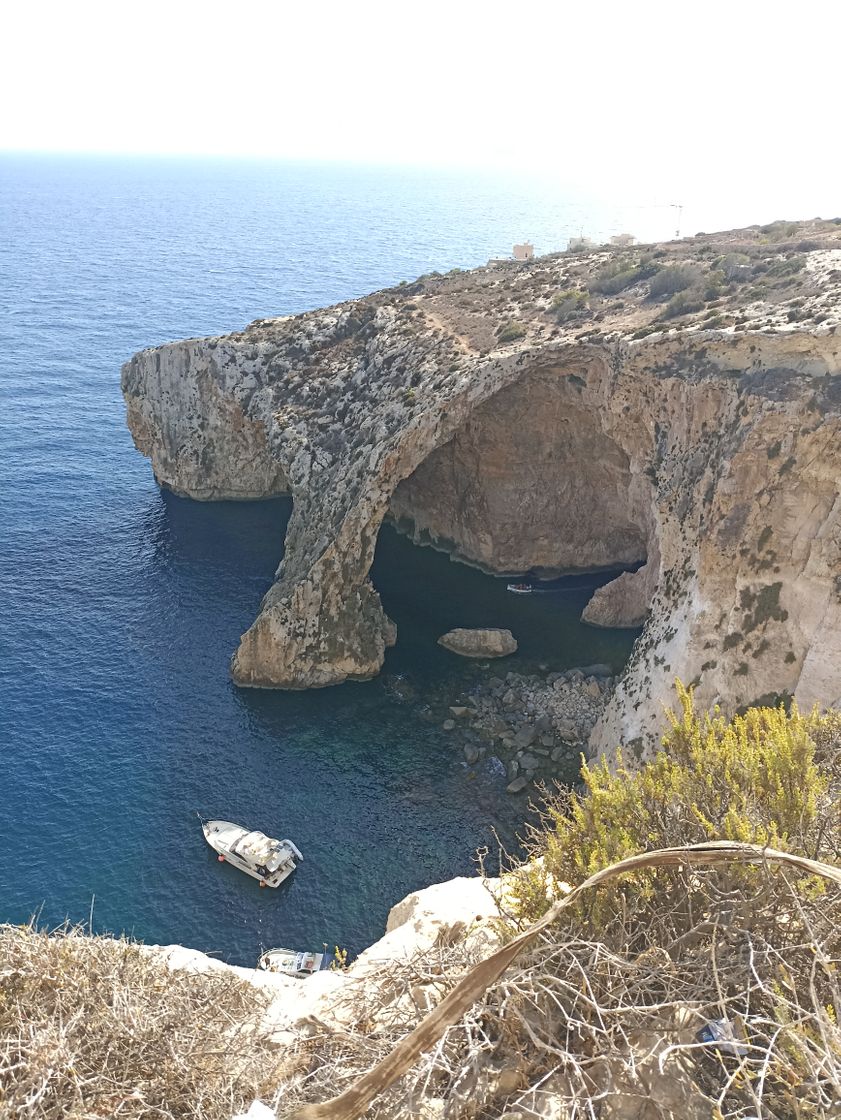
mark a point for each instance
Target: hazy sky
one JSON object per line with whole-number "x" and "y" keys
{"x": 736, "y": 100}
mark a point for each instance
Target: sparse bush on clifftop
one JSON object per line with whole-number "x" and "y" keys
{"x": 759, "y": 777}
{"x": 684, "y": 303}
{"x": 669, "y": 281}
{"x": 623, "y": 273}
{"x": 510, "y": 332}
{"x": 567, "y": 304}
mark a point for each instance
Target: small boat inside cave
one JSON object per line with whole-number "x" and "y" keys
{"x": 531, "y": 583}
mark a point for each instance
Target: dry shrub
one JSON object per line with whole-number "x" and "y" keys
{"x": 601, "y": 1016}
{"x": 95, "y": 1027}
{"x": 580, "y": 1026}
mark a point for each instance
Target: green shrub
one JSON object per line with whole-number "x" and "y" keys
{"x": 511, "y": 331}
{"x": 684, "y": 303}
{"x": 779, "y": 231}
{"x": 734, "y": 266}
{"x": 623, "y": 273}
{"x": 754, "y": 778}
{"x": 676, "y": 278}
{"x": 787, "y": 266}
{"x": 566, "y": 305}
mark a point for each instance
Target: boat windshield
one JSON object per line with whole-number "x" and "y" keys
{"x": 277, "y": 858}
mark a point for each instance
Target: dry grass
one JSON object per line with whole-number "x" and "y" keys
{"x": 95, "y": 1027}
{"x": 577, "y": 1026}
{"x": 580, "y": 1027}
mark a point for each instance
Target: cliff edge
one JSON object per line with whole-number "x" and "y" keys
{"x": 671, "y": 408}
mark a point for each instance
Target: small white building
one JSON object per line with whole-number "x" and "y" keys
{"x": 578, "y": 244}
{"x": 524, "y": 252}
{"x": 622, "y": 240}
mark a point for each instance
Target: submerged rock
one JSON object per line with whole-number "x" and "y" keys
{"x": 525, "y": 737}
{"x": 479, "y": 643}
{"x": 598, "y": 670}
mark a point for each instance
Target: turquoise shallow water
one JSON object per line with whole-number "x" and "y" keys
{"x": 120, "y": 605}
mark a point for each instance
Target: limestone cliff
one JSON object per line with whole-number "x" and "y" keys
{"x": 677, "y": 406}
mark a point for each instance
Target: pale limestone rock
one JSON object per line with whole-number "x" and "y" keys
{"x": 429, "y": 917}
{"x": 625, "y": 600}
{"x": 460, "y": 909}
{"x": 479, "y": 643}
{"x": 712, "y": 456}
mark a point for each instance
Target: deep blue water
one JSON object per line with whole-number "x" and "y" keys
{"x": 120, "y": 605}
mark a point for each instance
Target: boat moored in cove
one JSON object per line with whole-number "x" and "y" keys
{"x": 289, "y": 962}
{"x": 260, "y": 856}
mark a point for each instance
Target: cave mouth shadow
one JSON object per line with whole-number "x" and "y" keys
{"x": 426, "y": 593}
{"x": 538, "y": 479}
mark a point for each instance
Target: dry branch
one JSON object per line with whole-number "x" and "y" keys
{"x": 354, "y": 1101}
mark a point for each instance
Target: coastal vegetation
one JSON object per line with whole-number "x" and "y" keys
{"x": 510, "y": 332}
{"x": 704, "y": 990}
{"x": 675, "y": 990}
{"x": 98, "y": 1027}
{"x": 770, "y": 777}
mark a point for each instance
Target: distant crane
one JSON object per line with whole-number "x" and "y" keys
{"x": 679, "y": 207}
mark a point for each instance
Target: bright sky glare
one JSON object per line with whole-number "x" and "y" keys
{"x": 734, "y": 100}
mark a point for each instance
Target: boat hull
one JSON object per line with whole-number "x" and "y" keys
{"x": 222, "y": 836}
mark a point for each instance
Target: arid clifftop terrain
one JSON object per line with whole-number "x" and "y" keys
{"x": 673, "y": 406}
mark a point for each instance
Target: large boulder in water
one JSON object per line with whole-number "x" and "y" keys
{"x": 479, "y": 643}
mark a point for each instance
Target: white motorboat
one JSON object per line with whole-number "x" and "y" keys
{"x": 292, "y": 963}
{"x": 271, "y": 861}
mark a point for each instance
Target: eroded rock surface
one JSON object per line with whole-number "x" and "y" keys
{"x": 698, "y": 437}
{"x": 479, "y": 643}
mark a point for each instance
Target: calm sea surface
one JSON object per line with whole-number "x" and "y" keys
{"x": 120, "y": 606}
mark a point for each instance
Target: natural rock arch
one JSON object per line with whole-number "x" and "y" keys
{"x": 714, "y": 456}
{"x": 531, "y": 480}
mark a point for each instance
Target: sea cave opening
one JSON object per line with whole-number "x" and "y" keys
{"x": 532, "y": 482}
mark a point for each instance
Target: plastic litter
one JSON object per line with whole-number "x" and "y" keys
{"x": 722, "y": 1034}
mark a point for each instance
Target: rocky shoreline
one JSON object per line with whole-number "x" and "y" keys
{"x": 536, "y": 725}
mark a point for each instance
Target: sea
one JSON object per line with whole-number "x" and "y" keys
{"x": 120, "y": 604}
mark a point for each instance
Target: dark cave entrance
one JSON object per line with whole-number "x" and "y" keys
{"x": 532, "y": 482}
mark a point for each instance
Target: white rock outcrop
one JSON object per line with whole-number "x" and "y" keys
{"x": 460, "y": 909}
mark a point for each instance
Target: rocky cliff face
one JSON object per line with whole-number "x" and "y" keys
{"x": 495, "y": 415}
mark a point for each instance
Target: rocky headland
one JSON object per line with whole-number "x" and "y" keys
{"x": 673, "y": 409}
